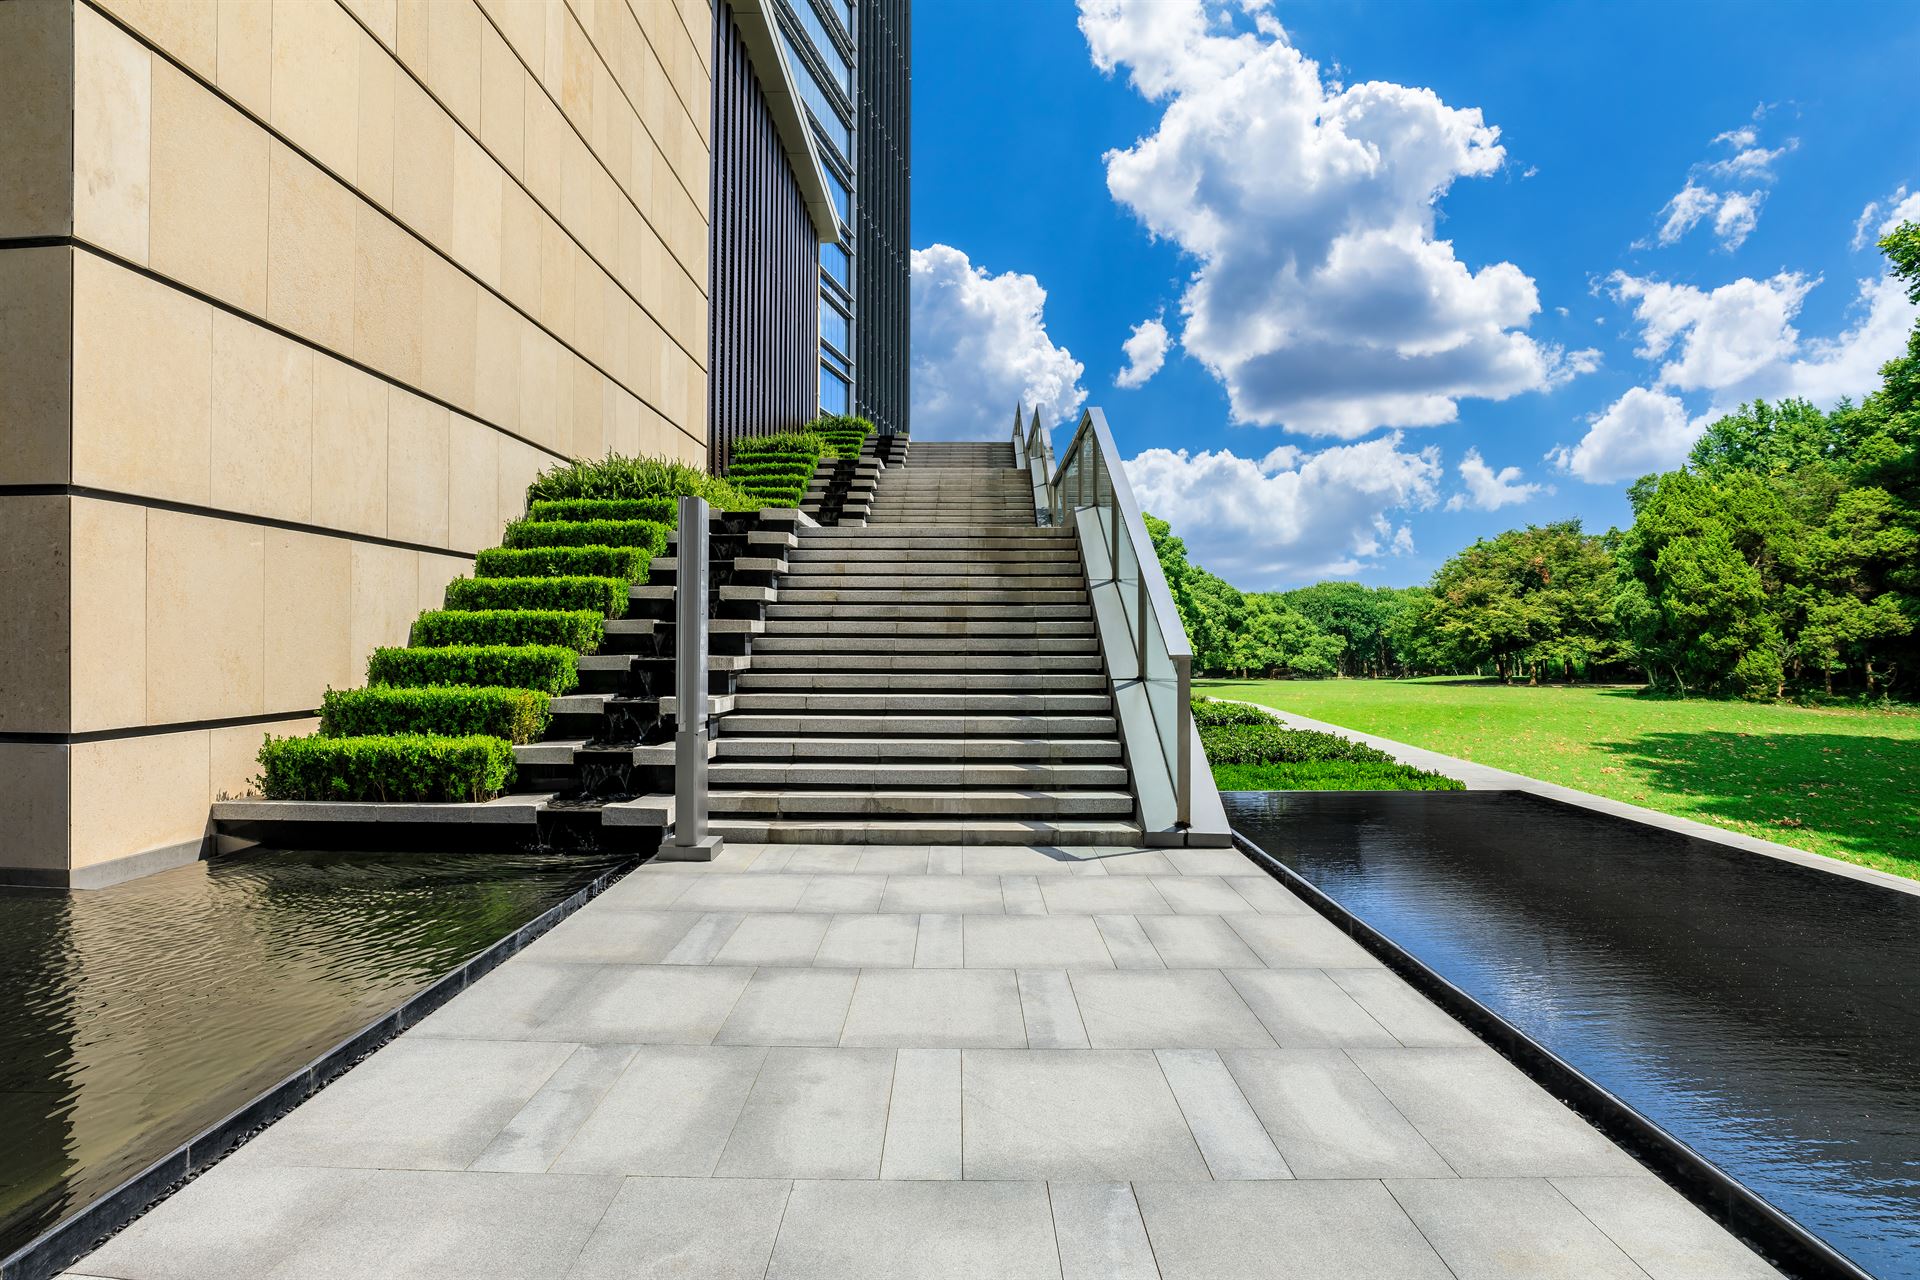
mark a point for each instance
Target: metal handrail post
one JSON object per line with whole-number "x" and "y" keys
{"x": 690, "y": 842}
{"x": 1019, "y": 451}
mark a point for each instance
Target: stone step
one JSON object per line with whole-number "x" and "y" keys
{"x": 1053, "y": 571}
{"x": 924, "y": 644}
{"x": 914, "y": 703}
{"x": 888, "y": 660}
{"x": 939, "y": 534}
{"x": 559, "y": 751}
{"x": 980, "y": 802}
{"x": 884, "y": 750}
{"x": 911, "y": 615}
{"x": 944, "y": 596}
{"x": 881, "y": 542}
{"x": 831, "y": 625}
{"x": 902, "y": 831}
{"x": 618, "y": 662}
{"x": 921, "y": 725}
{"x": 867, "y": 776}
{"x": 928, "y": 681}
{"x": 808, "y": 555}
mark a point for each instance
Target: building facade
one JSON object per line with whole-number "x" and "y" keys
{"x": 773, "y": 218}
{"x": 881, "y": 355}
{"x": 853, "y": 63}
{"x": 296, "y": 296}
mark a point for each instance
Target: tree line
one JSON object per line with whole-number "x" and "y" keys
{"x": 1782, "y": 558}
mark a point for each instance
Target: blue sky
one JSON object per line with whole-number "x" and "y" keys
{"x": 1754, "y": 137}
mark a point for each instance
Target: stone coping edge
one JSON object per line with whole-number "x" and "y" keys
{"x": 65, "y": 1243}
{"x": 507, "y": 809}
{"x": 1784, "y": 1243}
{"x": 1485, "y": 777}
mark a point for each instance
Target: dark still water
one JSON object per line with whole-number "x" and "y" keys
{"x": 1766, "y": 1014}
{"x": 133, "y": 1017}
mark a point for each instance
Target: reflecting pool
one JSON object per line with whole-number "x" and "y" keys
{"x": 133, "y": 1017}
{"x": 1764, "y": 1013}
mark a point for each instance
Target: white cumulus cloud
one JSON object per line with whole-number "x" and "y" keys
{"x": 1713, "y": 189}
{"x": 1323, "y": 299}
{"x": 1295, "y": 515}
{"x": 1146, "y": 351}
{"x": 980, "y": 345}
{"x": 1490, "y": 490}
{"x": 1900, "y": 207}
{"x": 1724, "y": 336}
{"x": 1640, "y": 432}
{"x": 1737, "y": 216}
{"x": 1737, "y": 343}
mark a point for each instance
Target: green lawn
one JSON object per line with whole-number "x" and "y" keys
{"x": 1840, "y": 782}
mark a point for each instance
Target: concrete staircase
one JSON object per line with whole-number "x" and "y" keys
{"x": 943, "y": 484}
{"x": 933, "y": 677}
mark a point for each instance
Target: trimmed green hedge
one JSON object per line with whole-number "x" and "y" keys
{"x": 844, "y": 433}
{"x": 744, "y": 476}
{"x": 580, "y": 629}
{"x": 793, "y": 443}
{"x": 659, "y": 510}
{"x": 629, "y": 564}
{"x": 1272, "y": 743}
{"x": 400, "y": 767}
{"x": 518, "y": 715}
{"x": 649, "y": 534}
{"x": 774, "y": 470}
{"x": 1207, "y": 712}
{"x": 621, "y": 477}
{"x": 605, "y": 596}
{"x": 1260, "y": 754}
{"x": 1330, "y": 775}
{"x": 547, "y": 667}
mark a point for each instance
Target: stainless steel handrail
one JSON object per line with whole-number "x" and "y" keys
{"x": 1090, "y": 476}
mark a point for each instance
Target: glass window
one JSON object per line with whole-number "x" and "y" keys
{"x": 842, "y": 198}
{"x": 833, "y": 391}
{"x": 821, "y": 107}
{"x": 833, "y": 261}
{"x": 834, "y": 326}
{"x": 834, "y": 360}
{"x": 829, "y": 51}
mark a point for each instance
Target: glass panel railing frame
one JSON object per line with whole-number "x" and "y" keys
{"x": 1091, "y": 477}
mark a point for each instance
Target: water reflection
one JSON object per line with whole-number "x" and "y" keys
{"x": 1766, "y": 1014}
{"x": 135, "y": 1016}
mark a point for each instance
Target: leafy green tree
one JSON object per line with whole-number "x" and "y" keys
{"x": 1232, "y": 632}
{"x": 1356, "y": 614}
{"x": 1533, "y": 599}
{"x": 1704, "y": 559}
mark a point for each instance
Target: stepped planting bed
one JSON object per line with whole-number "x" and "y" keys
{"x": 440, "y": 716}
{"x": 776, "y": 469}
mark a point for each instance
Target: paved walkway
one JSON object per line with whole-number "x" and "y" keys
{"x": 987, "y": 1063}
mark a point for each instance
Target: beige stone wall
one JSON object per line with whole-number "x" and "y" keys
{"x": 295, "y": 297}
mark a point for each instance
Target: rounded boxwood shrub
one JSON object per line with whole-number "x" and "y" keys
{"x": 1208, "y": 712}
{"x": 518, "y": 715}
{"x": 390, "y": 767}
{"x": 547, "y": 667}
{"x": 1272, "y": 743}
{"x": 580, "y": 629}
{"x": 605, "y": 596}
{"x": 629, "y": 564}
